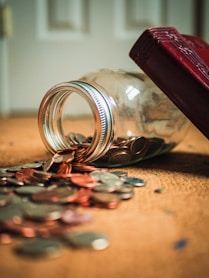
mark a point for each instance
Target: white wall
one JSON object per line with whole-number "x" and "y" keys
{"x": 39, "y": 58}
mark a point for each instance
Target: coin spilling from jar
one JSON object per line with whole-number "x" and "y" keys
{"x": 123, "y": 151}
{"x": 43, "y": 202}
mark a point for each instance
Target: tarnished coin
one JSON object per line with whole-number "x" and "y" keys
{"x": 138, "y": 145}
{"x": 87, "y": 239}
{"x": 119, "y": 156}
{"x": 155, "y": 146}
{"x": 40, "y": 247}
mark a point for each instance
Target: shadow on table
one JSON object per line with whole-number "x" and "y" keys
{"x": 191, "y": 163}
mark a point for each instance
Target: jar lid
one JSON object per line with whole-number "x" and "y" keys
{"x": 179, "y": 65}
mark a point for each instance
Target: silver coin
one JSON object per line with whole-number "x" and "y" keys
{"x": 14, "y": 181}
{"x": 120, "y": 174}
{"x": 5, "y": 199}
{"x": 76, "y": 138}
{"x": 107, "y": 177}
{"x": 33, "y": 165}
{"x": 47, "y": 165}
{"x": 125, "y": 188}
{"x": 40, "y": 247}
{"x": 137, "y": 182}
{"x": 28, "y": 189}
{"x": 14, "y": 168}
{"x": 80, "y": 138}
{"x": 125, "y": 191}
{"x": 104, "y": 187}
{"x": 96, "y": 175}
{"x": 88, "y": 239}
{"x": 42, "y": 211}
{"x": 10, "y": 212}
{"x": 126, "y": 196}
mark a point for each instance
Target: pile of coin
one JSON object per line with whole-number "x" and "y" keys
{"x": 123, "y": 151}
{"x": 43, "y": 201}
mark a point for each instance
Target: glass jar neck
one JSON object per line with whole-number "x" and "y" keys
{"x": 50, "y": 117}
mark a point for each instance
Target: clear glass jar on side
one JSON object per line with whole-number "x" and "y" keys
{"x": 133, "y": 119}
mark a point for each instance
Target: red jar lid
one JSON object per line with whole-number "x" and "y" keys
{"x": 179, "y": 65}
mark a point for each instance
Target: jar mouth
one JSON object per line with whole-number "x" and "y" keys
{"x": 50, "y": 118}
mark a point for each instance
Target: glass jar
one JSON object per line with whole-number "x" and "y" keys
{"x": 132, "y": 119}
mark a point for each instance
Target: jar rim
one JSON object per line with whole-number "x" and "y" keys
{"x": 50, "y": 118}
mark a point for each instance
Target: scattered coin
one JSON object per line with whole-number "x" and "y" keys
{"x": 42, "y": 212}
{"x": 28, "y": 189}
{"x": 71, "y": 216}
{"x": 137, "y": 182}
{"x": 55, "y": 195}
{"x": 40, "y": 247}
{"x": 105, "y": 199}
{"x": 41, "y": 200}
{"x": 87, "y": 239}
{"x": 5, "y": 199}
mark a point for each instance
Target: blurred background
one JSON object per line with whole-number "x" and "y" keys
{"x": 45, "y": 42}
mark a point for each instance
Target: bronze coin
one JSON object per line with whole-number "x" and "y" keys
{"x": 24, "y": 174}
{"x": 83, "y": 180}
{"x": 20, "y": 227}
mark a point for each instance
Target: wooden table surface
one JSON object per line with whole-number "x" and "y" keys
{"x": 151, "y": 235}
